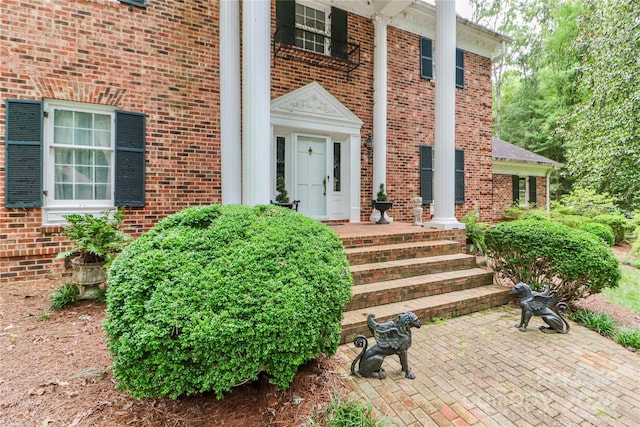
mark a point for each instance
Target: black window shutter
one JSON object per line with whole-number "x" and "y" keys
{"x": 515, "y": 189}
{"x": 130, "y": 153}
{"x": 23, "y": 153}
{"x": 459, "y": 68}
{"x": 459, "y": 177}
{"x": 426, "y": 58}
{"x": 339, "y": 33}
{"x": 532, "y": 190}
{"x": 426, "y": 174}
{"x": 286, "y": 21}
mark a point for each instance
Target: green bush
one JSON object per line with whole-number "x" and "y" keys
{"x": 628, "y": 337}
{"x": 475, "y": 232}
{"x": 599, "y": 322}
{"x": 214, "y": 295}
{"x": 572, "y": 221}
{"x": 618, "y": 223}
{"x": 586, "y": 202}
{"x": 539, "y": 253}
{"x": 65, "y": 296}
{"x": 635, "y": 248}
{"x": 603, "y": 231}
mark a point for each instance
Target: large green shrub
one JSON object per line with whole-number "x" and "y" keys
{"x": 539, "y": 253}
{"x": 618, "y": 223}
{"x": 586, "y": 202}
{"x": 214, "y": 295}
{"x": 603, "y": 231}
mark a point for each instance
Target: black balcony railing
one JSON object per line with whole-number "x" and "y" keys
{"x": 287, "y": 44}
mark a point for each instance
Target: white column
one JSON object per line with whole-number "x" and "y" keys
{"x": 445, "y": 142}
{"x": 230, "y": 142}
{"x": 256, "y": 73}
{"x": 379, "y": 104}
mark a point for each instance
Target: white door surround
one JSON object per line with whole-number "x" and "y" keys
{"x": 311, "y": 110}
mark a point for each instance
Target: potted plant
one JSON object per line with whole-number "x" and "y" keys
{"x": 382, "y": 204}
{"x": 98, "y": 239}
{"x": 282, "y": 198}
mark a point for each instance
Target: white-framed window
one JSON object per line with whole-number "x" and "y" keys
{"x": 78, "y": 157}
{"x": 313, "y": 25}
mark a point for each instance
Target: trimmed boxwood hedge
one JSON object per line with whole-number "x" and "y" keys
{"x": 539, "y": 253}
{"x": 603, "y": 231}
{"x": 214, "y": 295}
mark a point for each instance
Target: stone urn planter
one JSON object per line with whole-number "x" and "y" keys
{"x": 88, "y": 276}
{"x": 382, "y": 206}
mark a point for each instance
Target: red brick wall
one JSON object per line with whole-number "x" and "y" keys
{"x": 503, "y": 196}
{"x": 162, "y": 61}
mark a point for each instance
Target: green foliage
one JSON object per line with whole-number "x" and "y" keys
{"x": 627, "y": 293}
{"x": 381, "y": 196}
{"x": 347, "y": 413}
{"x": 571, "y": 221}
{"x": 603, "y": 231}
{"x": 213, "y": 295}
{"x": 599, "y": 322}
{"x": 635, "y": 248}
{"x": 282, "y": 196}
{"x": 602, "y": 131}
{"x": 586, "y": 202}
{"x": 618, "y": 224}
{"x": 512, "y": 213}
{"x": 96, "y": 238}
{"x": 475, "y": 232}
{"x": 628, "y": 337}
{"x": 65, "y": 296}
{"x": 539, "y": 253}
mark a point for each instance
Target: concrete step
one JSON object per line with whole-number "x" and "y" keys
{"x": 392, "y": 252}
{"x": 398, "y": 269}
{"x": 378, "y": 293}
{"x": 446, "y": 305}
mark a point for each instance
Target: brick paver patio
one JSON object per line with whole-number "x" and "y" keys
{"x": 480, "y": 370}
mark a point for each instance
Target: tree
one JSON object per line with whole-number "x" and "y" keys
{"x": 602, "y": 132}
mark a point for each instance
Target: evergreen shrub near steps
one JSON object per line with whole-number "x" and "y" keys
{"x": 539, "y": 253}
{"x": 214, "y": 295}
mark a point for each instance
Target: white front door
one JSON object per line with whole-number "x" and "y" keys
{"x": 312, "y": 180}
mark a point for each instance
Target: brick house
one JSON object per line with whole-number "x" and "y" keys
{"x": 158, "y": 105}
{"x": 520, "y": 178}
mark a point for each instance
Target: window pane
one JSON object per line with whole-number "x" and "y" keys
{"x": 63, "y": 156}
{"x": 102, "y": 138}
{"x": 83, "y": 174}
{"x": 63, "y": 118}
{"x": 102, "y": 191}
{"x": 336, "y": 166}
{"x": 102, "y": 122}
{"x": 83, "y": 157}
{"x": 280, "y": 157}
{"x": 102, "y": 175}
{"x": 84, "y": 191}
{"x": 83, "y": 120}
{"x": 64, "y": 191}
{"x": 82, "y": 137}
{"x": 62, "y": 135}
{"x": 101, "y": 158}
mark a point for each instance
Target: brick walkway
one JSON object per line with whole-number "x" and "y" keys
{"x": 480, "y": 370}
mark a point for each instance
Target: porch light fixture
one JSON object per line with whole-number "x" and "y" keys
{"x": 369, "y": 141}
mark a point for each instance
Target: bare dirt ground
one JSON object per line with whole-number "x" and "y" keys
{"x": 54, "y": 371}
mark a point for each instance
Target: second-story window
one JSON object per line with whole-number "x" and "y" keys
{"x": 311, "y": 29}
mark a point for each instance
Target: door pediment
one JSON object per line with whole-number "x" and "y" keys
{"x": 313, "y": 104}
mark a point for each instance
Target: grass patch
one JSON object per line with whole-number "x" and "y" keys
{"x": 627, "y": 293}
{"x": 347, "y": 413}
{"x": 628, "y": 337}
{"x": 65, "y": 296}
{"x": 599, "y": 322}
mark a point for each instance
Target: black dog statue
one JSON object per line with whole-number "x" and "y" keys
{"x": 539, "y": 303}
{"x": 391, "y": 338}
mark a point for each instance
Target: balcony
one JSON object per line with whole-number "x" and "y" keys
{"x": 287, "y": 44}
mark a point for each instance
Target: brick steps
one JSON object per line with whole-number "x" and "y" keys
{"x": 449, "y": 304}
{"x": 420, "y": 272}
{"x": 406, "y": 288}
{"x": 390, "y": 270}
{"x": 391, "y": 252}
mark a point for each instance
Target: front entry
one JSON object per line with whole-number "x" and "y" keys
{"x": 312, "y": 179}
